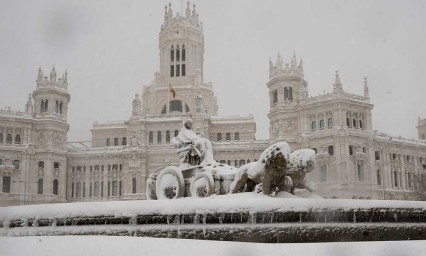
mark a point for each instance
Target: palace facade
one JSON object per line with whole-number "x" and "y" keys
{"x": 39, "y": 165}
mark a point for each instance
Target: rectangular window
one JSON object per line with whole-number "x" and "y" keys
{"x": 90, "y": 189}
{"x": 119, "y": 187}
{"x": 55, "y": 187}
{"x": 183, "y": 70}
{"x": 6, "y": 184}
{"x": 159, "y": 137}
{"x": 167, "y": 136}
{"x": 360, "y": 172}
{"x": 102, "y": 188}
{"x": 124, "y": 141}
{"x": 84, "y": 189}
{"x": 177, "y": 70}
{"x": 228, "y": 136}
{"x": 72, "y": 189}
{"x": 78, "y": 189}
{"x": 379, "y": 177}
{"x": 114, "y": 188}
{"x": 109, "y": 188}
{"x": 134, "y": 186}
{"x": 115, "y": 141}
{"x": 172, "y": 70}
{"x": 96, "y": 192}
{"x": 40, "y": 187}
{"x": 377, "y": 155}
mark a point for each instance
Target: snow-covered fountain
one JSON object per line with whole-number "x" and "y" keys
{"x": 202, "y": 199}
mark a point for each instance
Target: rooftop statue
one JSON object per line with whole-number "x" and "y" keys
{"x": 199, "y": 175}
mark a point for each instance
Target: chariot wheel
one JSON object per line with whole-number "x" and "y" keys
{"x": 170, "y": 183}
{"x": 202, "y": 185}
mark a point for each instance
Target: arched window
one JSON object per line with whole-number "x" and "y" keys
{"x": 102, "y": 188}
{"x": 222, "y": 161}
{"x": 242, "y": 162}
{"x": 274, "y": 96}
{"x": 1, "y": 162}
{"x": 354, "y": 123}
{"x": 360, "y": 124}
{"x": 159, "y": 137}
{"x": 177, "y": 54}
{"x": 219, "y": 136}
{"x": 18, "y": 139}
{"x": 1, "y": 137}
{"x": 121, "y": 167}
{"x": 228, "y": 136}
{"x": 176, "y": 133}
{"x": 348, "y": 122}
{"x": 40, "y": 164}
{"x": 108, "y": 142}
{"x": 115, "y": 141}
{"x": 285, "y": 93}
{"x": 55, "y": 186}
{"x": 229, "y": 162}
{"x": 46, "y": 105}
{"x": 236, "y": 163}
{"x": 124, "y": 141}
{"x": 331, "y": 150}
{"x": 115, "y": 167}
{"x": 321, "y": 124}
{"x": 323, "y": 173}
{"x": 16, "y": 164}
{"x": 90, "y": 189}
{"x": 151, "y": 137}
{"x": 313, "y": 125}
{"x": 167, "y": 136}
{"x": 290, "y": 94}
{"x": 60, "y": 107}
{"x": 351, "y": 150}
{"x": 330, "y": 122}
{"x": 183, "y": 73}
{"x": 40, "y": 186}
{"x": 6, "y": 184}
{"x": 183, "y": 54}
{"x": 134, "y": 185}
{"x": 237, "y": 136}
{"x": 9, "y": 138}
{"x": 57, "y": 107}
{"x": 109, "y": 167}
{"x": 377, "y": 155}
{"x": 172, "y": 54}
{"x": 175, "y": 105}
{"x": 42, "y": 106}
{"x": 78, "y": 189}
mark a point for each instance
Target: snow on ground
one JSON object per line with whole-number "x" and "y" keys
{"x": 232, "y": 203}
{"x": 129, "y": 246}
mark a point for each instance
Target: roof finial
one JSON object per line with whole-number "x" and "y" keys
{"x": 337, "y": 83}
{"x": 293, "y": 61}
{"x": 194, "y": 12}
{"x": 301, "y": 72}
{"x": 188, "y": 10}
{"x": 40, "y": 74}
{"x": 53, "y": 74}
{"x": 366, "y": 93}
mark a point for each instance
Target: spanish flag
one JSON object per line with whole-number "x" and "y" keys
{"x": 172, "y": 91}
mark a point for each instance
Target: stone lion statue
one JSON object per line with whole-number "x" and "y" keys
{"x": 276, "y": 170}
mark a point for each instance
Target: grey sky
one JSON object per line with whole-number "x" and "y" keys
{"x": 110, "y": 49}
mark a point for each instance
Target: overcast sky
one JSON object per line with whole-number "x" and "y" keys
{"x": 110, "y": 49}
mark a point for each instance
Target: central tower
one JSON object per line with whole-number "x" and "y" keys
{"x": 181, "y": 45}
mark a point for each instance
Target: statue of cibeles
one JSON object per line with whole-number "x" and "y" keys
{"x": 192, "y": 149}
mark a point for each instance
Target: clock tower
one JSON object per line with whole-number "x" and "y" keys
{"x": 181, "y": 45}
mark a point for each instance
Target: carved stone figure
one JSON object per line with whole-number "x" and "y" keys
{"x": 42, "y": 138}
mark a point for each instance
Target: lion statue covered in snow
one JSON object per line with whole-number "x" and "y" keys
{"x": 276, "y": 170}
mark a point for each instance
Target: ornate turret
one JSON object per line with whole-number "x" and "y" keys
{"x": 337, "y": 87}
{"x": 287, "y": 69}
{"x": 51, "y": 97}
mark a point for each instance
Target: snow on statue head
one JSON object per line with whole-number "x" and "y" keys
{"x": 276, "y": 170}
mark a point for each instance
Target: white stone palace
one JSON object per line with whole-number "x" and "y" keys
{"x": 39, "y": 165}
